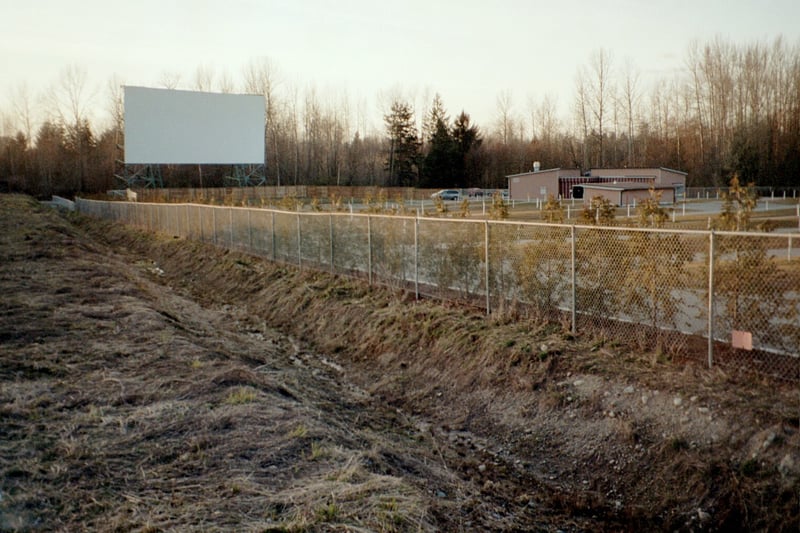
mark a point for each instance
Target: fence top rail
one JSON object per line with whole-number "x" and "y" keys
{"x": 673, "y": 231}
{"x": 752, "y": 234}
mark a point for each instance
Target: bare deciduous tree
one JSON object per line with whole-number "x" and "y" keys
{"x": 23, "y": 111}
{"x": 600, "y": 97}
{"x": 261, "y": 77}
{"x": 169, "y": 79}
{"x": 116, "y": 106}
{"x": 204, "y": 78}
{"x": 68, "y": 102}
{"x": 630, "y": 96}
{"x": 69, "y": 99}
{"x": 504, "y": 118}
{"x": 225, "y": 83}
{"x": 581, "y": 109}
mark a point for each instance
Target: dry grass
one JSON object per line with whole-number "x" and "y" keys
{"x": 145, "y": 402}
{"x": 127, "y": 407}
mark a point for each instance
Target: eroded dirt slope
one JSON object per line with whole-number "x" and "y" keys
{"x": 125, "y": 405}
{"x": 157, "y": 383}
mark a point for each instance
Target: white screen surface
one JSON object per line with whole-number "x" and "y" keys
{"x": 188, "y": 127}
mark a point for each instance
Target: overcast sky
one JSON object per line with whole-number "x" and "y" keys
{"x": 468, "y": 51}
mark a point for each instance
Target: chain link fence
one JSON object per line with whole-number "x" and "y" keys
{"x": 723, "y": 298}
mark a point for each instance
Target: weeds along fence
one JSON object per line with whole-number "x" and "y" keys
{"x": 726, "y": 298}
{"x": 255, "y": 195}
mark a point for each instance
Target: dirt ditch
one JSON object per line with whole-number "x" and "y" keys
{"x": 148, "y": 383}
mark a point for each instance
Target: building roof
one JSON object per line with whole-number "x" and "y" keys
{"x": 653, "y": 170}
{"x": 629, "y": 186}
{"x": 675, "y": 171}
{"x": 641, "y": 168}
{"x": 533, "y": 172}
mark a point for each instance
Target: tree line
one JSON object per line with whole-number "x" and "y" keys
{"x": 734, "y": 108}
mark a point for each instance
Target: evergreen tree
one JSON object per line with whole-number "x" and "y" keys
{"x": 598, "y": 212}
{"x": 439, "y": 168}
{"x": 750, "y": 287}
{"x": 436, "y": 114}
{"x": 737, "y": 206}
{"x": 403, "y": 146}
{"x": 466, "y": 141}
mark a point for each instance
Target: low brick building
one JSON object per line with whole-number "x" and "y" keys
{"x": 542, "y": 183}
{"x": 627, "y": 193}
{"x": 561, "y": 182}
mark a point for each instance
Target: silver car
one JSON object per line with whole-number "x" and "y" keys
{"x": 447, "y": 194}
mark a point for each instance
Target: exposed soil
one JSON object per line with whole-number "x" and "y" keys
{"x": 150, "y": 383}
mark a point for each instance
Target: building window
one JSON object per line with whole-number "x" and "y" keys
{"x": 543, "y": 191}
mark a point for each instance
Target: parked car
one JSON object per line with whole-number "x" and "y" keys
{"x": 502, "y": 192}
{"x": 447, "y": 194}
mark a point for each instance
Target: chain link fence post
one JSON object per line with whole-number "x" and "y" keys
{"x": 574, "y": 267}
{"x": 416, "y": 257}
{"x": 330, "y": 236}
{"x": 272, "y": 231}
{"x": 214, "y": 227}
{"x": 230, "y": 225}
{"x": 711, "y": 298}
{"x": 249, "y": 232}
{"x": 299, "y": 245}
{"x": 369, "y": 248}
{"x": 486, "y": 263}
